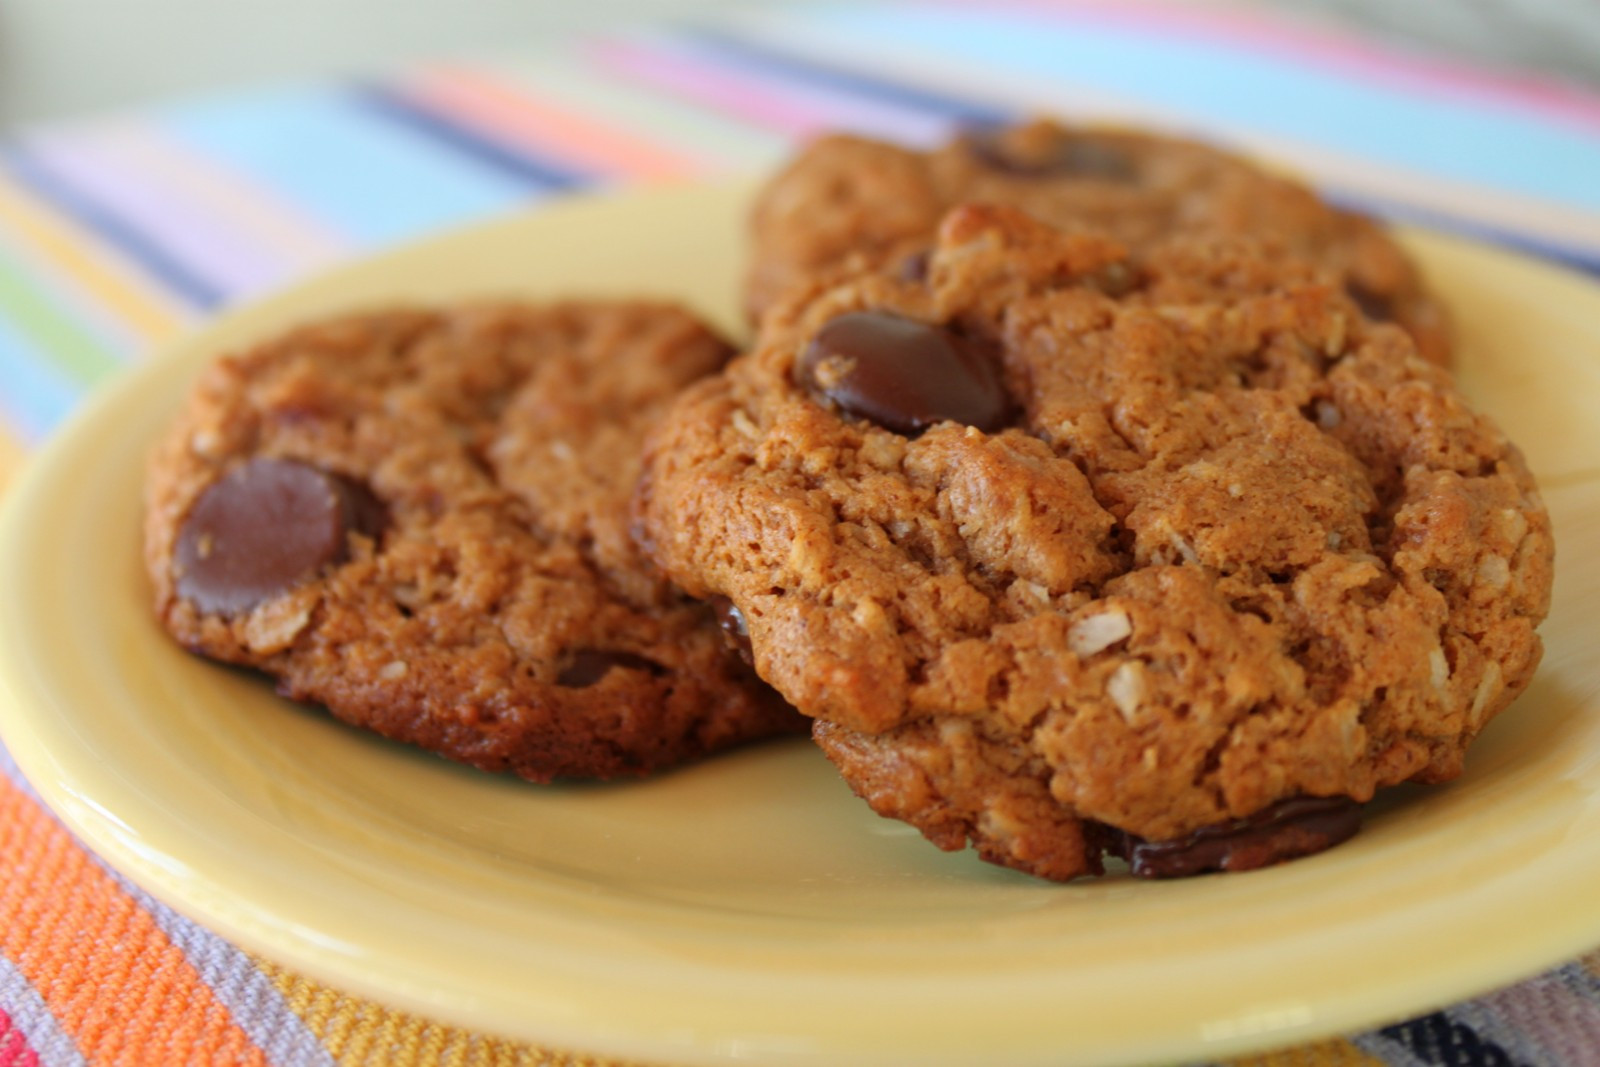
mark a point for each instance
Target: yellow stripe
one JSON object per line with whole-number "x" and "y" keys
{"x": 359, "y": 1033}
{"x": 59, "y": 244}
{"x": 1335, "y": 1053}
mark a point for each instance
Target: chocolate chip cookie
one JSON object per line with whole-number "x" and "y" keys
{"x": 418, "y": 519}
{"x": 1073, "y": 547}
{"x": 847, "y": 196}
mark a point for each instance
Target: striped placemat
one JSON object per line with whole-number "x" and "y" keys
{"x": 119, "y": 231}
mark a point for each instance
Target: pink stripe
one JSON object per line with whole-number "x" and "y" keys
{"x": 792, "y": 110}
{"x": 849, "y": 108}
{"x": 1351, "y": 55}
{"x": 14, "y": 1050}
{"x": 1543, "y": 1012}
{"x": 703, "y": 86}
{"x": 500, "y": 111}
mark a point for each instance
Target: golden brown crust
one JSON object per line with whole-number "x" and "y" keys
{"x": 502, "y": 617}
{"x": 847, "y": 197}
{"x": 1240, "y": 545}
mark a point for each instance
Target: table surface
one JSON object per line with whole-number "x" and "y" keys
{"x": 121, "y": 230}
{"x": 50, "y": 68}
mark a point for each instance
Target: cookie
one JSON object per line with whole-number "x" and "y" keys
{"x": 418, "y": 519}
{"x": 847, "y": 196}
{"x": 1072, "y": 549}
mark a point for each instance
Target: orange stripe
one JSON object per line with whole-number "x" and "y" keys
{"x": 111, "y": 978}
{"x": 536, "y": 124}
{"x": 359, "y": 1033}
{"x": 1335, "y": 1053}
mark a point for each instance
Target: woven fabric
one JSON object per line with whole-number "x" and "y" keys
{"x": 117, "y": 233}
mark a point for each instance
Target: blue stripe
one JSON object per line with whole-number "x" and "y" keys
{"x": 120, "y": 233}
{"x": 963, "y": 110}
{"x": 959, "y": 110}
{"x": 482, "y": 149}
{"x": 760, "y": 57}
{"x": 34, "y": 396}
{"x": 1480, "y": 142}
{"x": 335, "y": 160}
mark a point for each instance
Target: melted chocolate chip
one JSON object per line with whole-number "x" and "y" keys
{"x": 1375, "y": 306}
{"x": 1298, "y": 826}
{"x": 589, "y": 665}
{"x": 734, "y": 628}
{"x": 265, "y": 528}
{"x": 903, "y": 374}
{"x": 1068, "y": 157}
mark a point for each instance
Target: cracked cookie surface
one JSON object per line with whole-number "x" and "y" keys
{"x": 418, "y": 519}
{"x": 845, "y": 196}
{"x": 1231, "y": 545}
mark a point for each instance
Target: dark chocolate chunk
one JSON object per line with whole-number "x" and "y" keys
{"x": 1375, "y": 306}
{"x": 1085, "y": 157}
{"x": 589, "y": 665}
{"x": 1068, "y": 157}
{"x": 265, "y": 528}
{"x": 1298, "y": 826}
{"x": 903, "y": 374}
{"x": 734, "y": 628}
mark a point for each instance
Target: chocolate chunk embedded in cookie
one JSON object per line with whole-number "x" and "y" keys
{"x": 419, "y": 519}
{"x": 846, "y": 196}
{"x": 1281, "y": 831}
{"x": 1231, "y": 545}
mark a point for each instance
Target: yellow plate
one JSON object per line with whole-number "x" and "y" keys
{"x": 749, "y": 908}
{"x": 10, "y": 459}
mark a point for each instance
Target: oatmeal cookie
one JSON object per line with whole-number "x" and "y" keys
{"x": 418, "y": 519}
{"x": 1071, "y": 549}
{"x": 848, "y": 196}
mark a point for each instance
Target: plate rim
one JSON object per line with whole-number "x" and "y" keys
{"x": 49, "y": 776}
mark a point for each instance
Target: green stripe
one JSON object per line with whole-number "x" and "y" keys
{"x": 63, "y": 342}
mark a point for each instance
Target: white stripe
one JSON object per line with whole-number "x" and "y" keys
{"x": 253, "y": 1002}
{"x": 9, "y": 768}
{"x": 32, "y": 1018}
